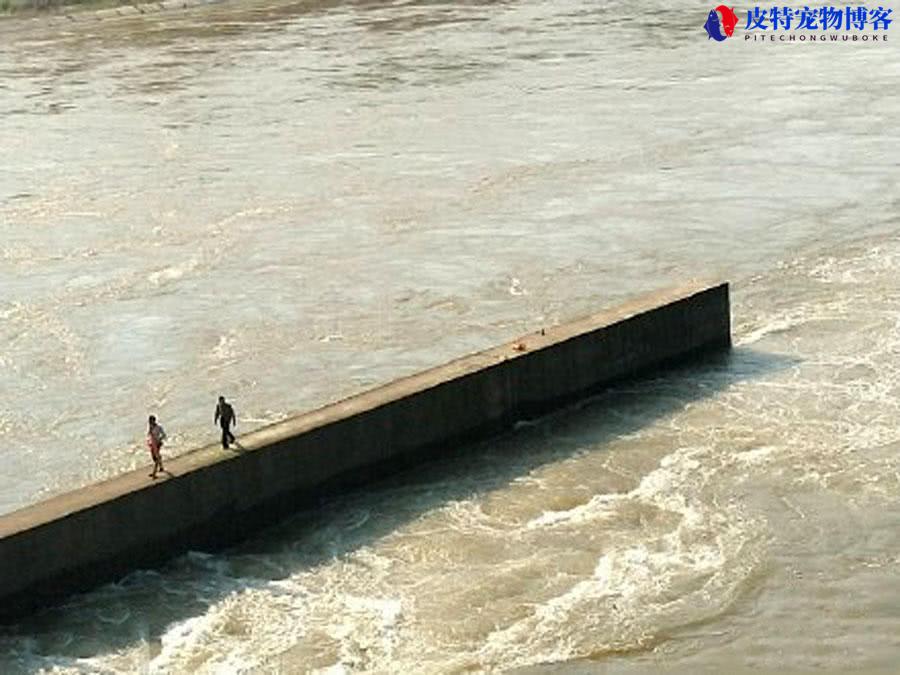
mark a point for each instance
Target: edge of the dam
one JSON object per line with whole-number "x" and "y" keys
{"x": 77, "y": 540}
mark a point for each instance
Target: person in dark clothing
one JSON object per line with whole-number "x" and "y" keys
{"x": 225, "y": 417}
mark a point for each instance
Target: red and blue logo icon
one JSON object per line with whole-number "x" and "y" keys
{"x": 720, "y": 23}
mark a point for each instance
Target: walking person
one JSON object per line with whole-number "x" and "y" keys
{"x": 225, "y": 417}
{"x": 155, "y": 437}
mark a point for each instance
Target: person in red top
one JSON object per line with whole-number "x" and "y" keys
{"x": 155, "y": 437}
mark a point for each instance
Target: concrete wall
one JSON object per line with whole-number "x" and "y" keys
{"x": 98, "y": 533}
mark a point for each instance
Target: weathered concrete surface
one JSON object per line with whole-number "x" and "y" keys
{"x": 77, "y": 540}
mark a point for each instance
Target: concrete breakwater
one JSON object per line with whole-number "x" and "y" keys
{"x": 98, "y": 533}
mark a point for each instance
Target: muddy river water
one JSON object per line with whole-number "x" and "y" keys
{"x": 288, "y": 202}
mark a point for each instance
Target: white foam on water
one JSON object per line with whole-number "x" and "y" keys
{"x": 516, "y": 287}
{"x": 366, "y": 630}
{"x": 752, "y": 331}
{"x": 598, "y": 507}
{"x": 772, "y": 325}
{"x": 639, "y": 589}
{"x": 174, "y": 272}
{"x": 756, "y": 456}
{"x": 235, "y": 635}
{"x": 333, "y": 669}
{"x": 226, "y": 348}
